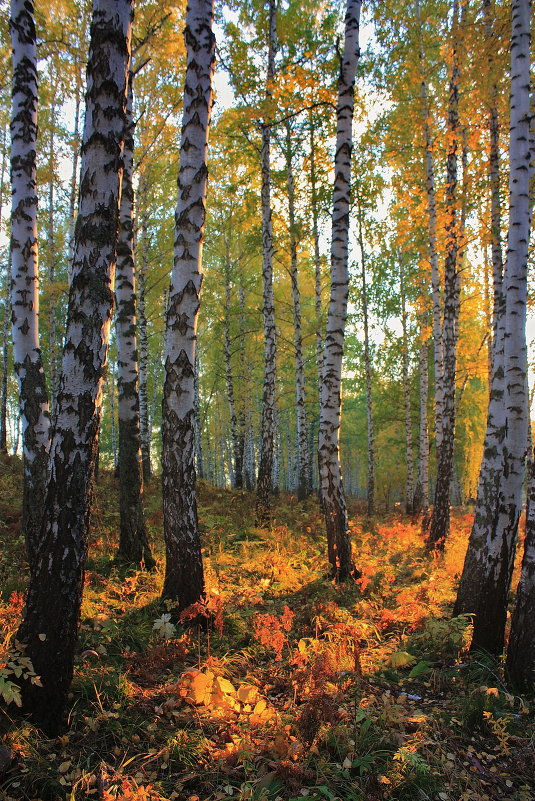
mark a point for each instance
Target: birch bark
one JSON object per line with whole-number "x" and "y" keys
{"x": 34, "y": 411}
{"x": 133, "y": 542}
{"x": 49, "y": 627}
{"x": 264, "y": 486}
{"x": 499, "y": 547}
{"x": 332, "y": 492}
{"x": 303, "y": 455}
{"x": 409, "y": 487}
{"x": 184, "y": 581}
{"x": 476, "y": 565}
{"x": 440, "y": 520}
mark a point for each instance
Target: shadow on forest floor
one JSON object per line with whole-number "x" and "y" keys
{"x": 298, "y": 689}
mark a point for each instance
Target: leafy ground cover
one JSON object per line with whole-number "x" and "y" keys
{"x": 297, "y": 689}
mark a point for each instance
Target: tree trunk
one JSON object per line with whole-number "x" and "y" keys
{"x": 317, "y": 257}
{"x": 264, "y": 486}
{"x": 303, "y": 455}
{"x": 145, "y": 428}
{"x": 520, "y": 664}
{"x": 50, "y": 625}
{"x": 133, "y": 542}
{"x": 438, "y": 346}
{"x": 52, "y": 259}
{"x": 499, "y": 548}
{"x": 440, "y": 521}
{"x": 34, "y": 412}
{"x": 184, "y": 581}
{"x": 237, "y": 453}
{"x": 409, "y": 491}
{"x": 6, "y": 291}
{"x": 483, "y": 543}
{"x": 332, "y": 492}
{"x": 422, "y": 494}
{"x": 198, "y": 427}
{"x": 74, "y": 175}
{"x": 370, "y": 486}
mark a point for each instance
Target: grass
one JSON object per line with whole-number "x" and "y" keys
{"x": 360, "y": 693}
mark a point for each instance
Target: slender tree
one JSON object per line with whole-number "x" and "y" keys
{"x": 409, "y": 488}
{"x": 133, "y": 542}
{"x": 264, "y": 486}
{"x": 50, "y": 624}
{"x": 440, "y": 520}
{"x": 34, "y": 412}
{"x": 332, "y": 492}
{"x": 184, "y": 581}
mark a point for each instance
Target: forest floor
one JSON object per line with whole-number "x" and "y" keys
{"x": 300, "y": 689}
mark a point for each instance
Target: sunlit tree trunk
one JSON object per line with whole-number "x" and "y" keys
{"x": 74, "y": 174}
{"x": 133, "y": 543}
{"x": 409, "y": 490}
{"x": 6, "y": 291}
{"x": 476, "y": 565}
{"x": 499, "y": 547}
{"x": 184, "y": 581}
{"x": 50, "y": 625}
{"x": 34, "y": 412}
{"x": 438, "y": 347}
{"x": 332, "y": 492}
{"x": 440, "y": 521}
{"x": 303, "y": 455}
{"x": 264, "y": 486}
{"x": 370, "y": 486}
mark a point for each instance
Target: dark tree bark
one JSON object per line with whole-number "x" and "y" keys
{"x": 50, "y": 625}
{"x": 184, "y": 580}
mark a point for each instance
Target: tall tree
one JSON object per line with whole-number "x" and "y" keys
{"x": 133, "y": 542}
{"x": 494, "y": 555}
{"x": 34, "y": 410}
{"x": 441, "y": 512}
{"x": 50, "y": 624}
{"x": 264, "y": 486}
{"x": 184, "y": 581}
{"x": 332, "y": 491}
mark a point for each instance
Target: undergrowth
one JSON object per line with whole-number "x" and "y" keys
{"x": 299, "y": 689}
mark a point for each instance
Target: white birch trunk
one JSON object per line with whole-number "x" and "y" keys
{"x": 50, "y": 626}
{"x": 440, "y": 521}
{"x": 499, "y": 547}
{"x": 184, "y": 581}
{"x": 264, "y": 486}
{"x": 332, "y": 492}
{"x": 303, "y": 455}
{"x": 133, "y": 542}
{"x": 34, "y": 411}
{"x": 438, "y": 347}
{"x": 423, "y": 440}
{"x": 144, "y": 417}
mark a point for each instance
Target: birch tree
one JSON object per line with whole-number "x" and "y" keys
{"x": 49, "y": 628}
{"x": 332, "y": 492}
{"x": 184, "y": 581}
{"x": 133, "y": 542}
{"x": 264, "y": 486}
{"x": 34, "y": 411}
{"x": 503, "y": 468}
